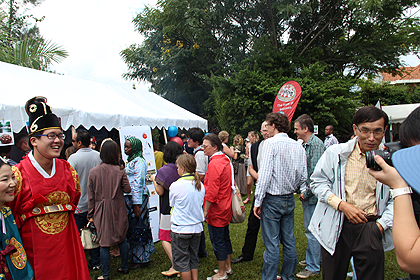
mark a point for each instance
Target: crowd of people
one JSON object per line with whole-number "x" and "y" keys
{"x": 351, "y": 213}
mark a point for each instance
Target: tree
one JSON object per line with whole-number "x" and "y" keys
{"x": 35, "y": 53}
{"x": 370, "y": 92}
{"x": 256, "y": 40}
{"x": 357, "y": 36}
{"x": 186, "y": 41}
{"x": 242, "y": 102}
{"x": 21, "y": 44}
{"x": 17, "y": 23}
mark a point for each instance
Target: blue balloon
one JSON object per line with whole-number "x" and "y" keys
{"x": 172, "y": 131}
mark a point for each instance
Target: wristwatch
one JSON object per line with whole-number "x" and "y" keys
{"x": 400, "y": 191}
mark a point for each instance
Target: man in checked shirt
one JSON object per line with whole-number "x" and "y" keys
{"x": 353, "y": 216}
{"x": 282, "y": 171}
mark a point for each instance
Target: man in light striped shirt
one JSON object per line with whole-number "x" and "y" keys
{"x": 282, "y": 171}
{"x": 330, "y": 139}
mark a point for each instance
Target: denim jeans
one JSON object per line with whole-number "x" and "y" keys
{"x": 219, "y": 237}
{"x": 278, "y": 224}
{"x": 313, "y": 250}
{"x": 105, "y": 258}
{"x": 354, "y": 270}
{"x": 82, "y": 221}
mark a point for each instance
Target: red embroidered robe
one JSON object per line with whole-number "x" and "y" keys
{"x": 44, "y": 212}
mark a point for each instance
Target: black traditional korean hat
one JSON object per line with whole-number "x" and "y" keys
{"x": 40, "y": 115}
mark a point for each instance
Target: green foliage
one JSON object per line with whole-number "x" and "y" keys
{"x": 18, "y": 24}
{"x": 21, "y": 44}
{"x": 242, "y": 101}
{"x": 370, "y": 92}
{"x": 327, "y": 98}
{"x": 35, "y": 53}
{"x": 360, "y": 36}
{"x": 226, "y": 60}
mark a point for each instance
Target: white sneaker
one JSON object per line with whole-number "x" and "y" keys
{"x": 306, "y": 274}
{"x": 302, "y": 263}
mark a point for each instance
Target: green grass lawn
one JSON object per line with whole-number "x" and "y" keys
{"x": 246, "y": 270}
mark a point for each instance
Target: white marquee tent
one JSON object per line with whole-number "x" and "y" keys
{"x": 87, "y": 103}
{"x": 398, "y": 113}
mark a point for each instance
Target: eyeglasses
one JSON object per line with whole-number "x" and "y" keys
{"x": 204, "y": 146}
{"x": 367, "y": 132}
{"x": 52, "y": 136}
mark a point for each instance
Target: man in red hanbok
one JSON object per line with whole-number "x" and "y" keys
{"x": 46, "y": 196}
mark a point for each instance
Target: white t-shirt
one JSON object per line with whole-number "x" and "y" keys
{"x": 202, "y": 160}
{"x": 187, "y": 206}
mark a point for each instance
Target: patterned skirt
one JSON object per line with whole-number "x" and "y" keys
{"x": 139, "y": 253}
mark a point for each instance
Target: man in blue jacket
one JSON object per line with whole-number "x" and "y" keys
{"x": 354, "y": 213}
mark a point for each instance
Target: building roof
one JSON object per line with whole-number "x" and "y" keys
{"x": 409, "y": 76}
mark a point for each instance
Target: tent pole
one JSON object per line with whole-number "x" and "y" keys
{"x": 164, "y": 135}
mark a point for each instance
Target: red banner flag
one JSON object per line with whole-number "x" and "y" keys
{"x": 287, "y": 99}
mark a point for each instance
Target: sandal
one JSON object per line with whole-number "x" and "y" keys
{"x": 221, "y": 278}
{"x": 229, "y": 272}
{"x": 123, "y": 271}
{"x": 171, "y": 274}
{"x": 96, "y": 267}
{"x": 103, "y": 278}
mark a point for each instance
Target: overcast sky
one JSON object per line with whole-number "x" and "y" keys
{"x": 94, "y": 32}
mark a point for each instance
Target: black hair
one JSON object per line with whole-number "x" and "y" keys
{"x": 110, "y": 153}
{"x": 83, "y": 136}
{"x": 171, "y": 151}
{"x": 281, "y": 122}
{"x": 21, "y": 136}
{"x": 330, "y": 127}
{"x": 214, "y": 141}
{"x": 3, "y": 163}
{"x": 5, "y": 149}
{"x": 370, "y": 114}
{"x": 410, "y": 129}
{"x": 36, "y": 136}
{"x": 196, "y": 134}
{"x": 305, "y": 121}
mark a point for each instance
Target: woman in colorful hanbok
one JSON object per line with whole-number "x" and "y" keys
{"x": 13, "y": 261}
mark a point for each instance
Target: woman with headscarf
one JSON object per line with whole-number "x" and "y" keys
{"x": 163, "y": 179}
{"x": 138, "y": 200}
